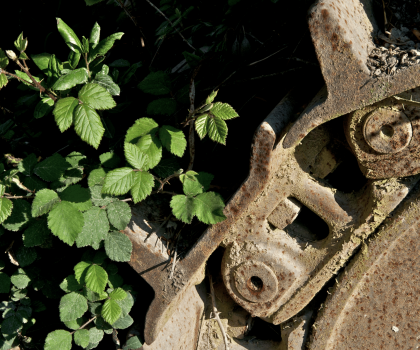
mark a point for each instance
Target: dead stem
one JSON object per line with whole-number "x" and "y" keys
{"x": 216, "y": 314}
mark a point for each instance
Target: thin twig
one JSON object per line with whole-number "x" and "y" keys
{"x": 156, "y": 231}
{"x": 84, "y": 325}
{"x": 251, "y": 64}
{"x": 165, "y": 192}
{"x": 126, "y": 200}
{"x": 160, "y": 44}
{"x": 216, "y": 314}
{"x": 17, "y": 197}
{"x": 121, "y": 3}
{"x": 172, "y": 25}
{"x": 174, "y": 263}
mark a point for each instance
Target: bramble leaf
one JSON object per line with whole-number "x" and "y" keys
{"x": 58, "y": 339}
{"x": 119, "y": 214}
{"x": 44, "y": 201}
{"x": 183, "y": 208}
{"x": 88, "y": 125}
{"x": 95, "y": 228}
{"x": 111, "y": 311}
{"x": 43, "y": 107}
{"x": 211, "y": 97}
{"x": 98, "y": 198}
{"x": 6, "y": 206}
{"x": 69, "y": 36}
{"x": 143, "y": 185}
{"x": 21, "y": 214}
{"x": 81, "y": 337}
{"x": 109, "y": 160}
{"x": 133, "y": 343}
{"x": 75, "y": 77}
{"x": 26, "y": 166}
{"x": 140, "y": 128}
{"x": 80, "y": 271}
{"x": 95, "y": 34}
{"x": 78, "y": 196}
{"x": 96, "y": 96}
{"x": 72, "y": 306}
{"x": 197, "y": 183}
{"x": 96, "y": 278}
{"x": 209, "y": 208}
{"x": 151, "y": 146}
{"x": 95, "y": 335}
{"x": 173, "y": 140}
{"x": 134, "y": 156}
{"x": 20, "y": 279}
{"x": 118, "y": 181}
{"x": 223, "y": 111}
{"x": 70, "y": 284}
{"x": 4, "y": 61}
{"x": 104, "y": 46}
{"x": 96, "y": 177}
{"x": 118, "y": 294}
{"x": 162, "y": 106}
{"x": 36, "y": 233}
{"x": 120, "y": 63}
{"x": 25, "y": 256}
{"x": 51, "y": 168}
{"x": 106, "y": 82}
{"x": 118, "y": 246}
{"x": 202, "y": 125}
{"x": 63, "y": 112}
{"x": 65, "y": 222}
{"x": 156, "y": 83}
{"x": 217, "y": 129}
{"x": 3, "y": 80}
{"x": 123, "y": 322}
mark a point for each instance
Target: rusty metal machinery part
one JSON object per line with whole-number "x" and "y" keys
{"x": 381, "y": 156}
{"x": 374, "y": 304}
{"x": 342, "y": 32}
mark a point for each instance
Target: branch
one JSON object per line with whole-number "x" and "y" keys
{"x": 191, "y": 139}
{"x": 169, "y": 21}
{"x": 216, "y": 314}
{"x": 132, "y": 19}
{"x": 165, "y": 192}
{"x": 84, "y": 325}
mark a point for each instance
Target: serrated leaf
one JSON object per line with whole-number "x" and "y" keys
{"x": 43, "y": 107}
{"x": 76, "y": 324}
{"x": 118, "y": 181}
{"x": 70, "y": 284}
{"x": 134, "y": 156}
{"x": 95, "y": 228}
{"x": 42, "y": 60}
{"x": 123, "y": 322}
{"x": 59, "y": 339}
{"x": 118, "y": 294}
{"x": 95, "y": 34}
{"x": 81, "y": 337}
{"x": 10, "y": 326}
{"x": 96, "y": 96}
{"x": 80, "y": 271}
{"x": 140, "y": 128}
{"x": 69, "y": 36}
{"x": 143, "y": 185}
{"x": 96, "y": 278}
{"x": 26, "y": 166}
{"x": 106, "y": 82}
{"x": 100, "y": 199}
{"x": 53, "y": 72}
{"x": 44, "y": 201}
{"x": 25, "y": 77}
{"x": 72, "y": 306}
{"x": 63, "y": 112}
{"x": 217, "y": 129}
{"x": 78, "y": 196}
{"x": 209, "y": 208}
{"x": 127, "y": 303}
{"x": 104, "y": 46}
{"x": 25, "y": 256}
{"x": 95, "y": 335}
{"x": 111, "y": 311}
{"x": 21, "y": 214}
{"x": 173, "y": 140}
{"x": 202, "y": 125}
{"x": 20, "y": 279}
{"x": 88, "y": 125}
{"x": 109, "y": 159}
{"x": 133, "y": 343}
{"x": 118, "y": 246}
{"x": 6, "y": 206}
{"x": 151, "y": 146}
{"x": 65, "y": 222}
{"x": 211, "y": 97}
{"x": 162, "y": 106}
{"x": 96, "y": 177}
{"x": 223, "y": 111}
{"x": 70, "y": 80}
{"x": 75, "y": 159}
{"x": 4, "y": 61}
{"x": 21, "y": 43}
{"x": 51, "y": 168}
{"x": 197, "y": 184}
{"x": 4, "y": 283}
{"x": 183, "y": 208}
{"x": 156, "y": 83}
{"x": 36, "y": 233}
{"x": 119, "y": 214}
{"x": 93, "y": 296}
{"x": 3, "y": 80}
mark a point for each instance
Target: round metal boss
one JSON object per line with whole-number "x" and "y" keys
{"x": 387, "y": 131}
{"x": 256, "y": 282}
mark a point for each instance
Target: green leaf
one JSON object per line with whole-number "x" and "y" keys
{"x": 202, "y": 125}
{"x": 4, "y": 61}
{"x": 80, "y": 271}
{"x": 43, "y": 107}
{"x": 95, "y": 228}
{"x": 173, "y": 140}
{"x": 4, "y": 283}
{"x": 119, "y": 214}
{"x": 65, "y": 222}
{"x": 134, "y": 156}
{"x": 81, "y": 337}
{"x": 183, "y": 208}
{"x": 26, "y": 166}
{"x": 111, "y": 311}
{"x": 129, "y": 73}
{"x": 98, "y": 198}
{"x": 20, "y": 279}
{"x": 133, "y": 343}
{"x": 78, "y": 196}
{"x": 10, "y": 326}
{"x": 141, "y": 127}
{"x": 25, "y": 256}
{"x": 75, "y": 159}
{"x": 192, "y": 60}
{"x": 119, "y": 181}
{"x": 127, "y": 303}
{"x": 75, "y": 77}
{"x": 63, "y": 112}
{"x": 106, "y": 82}
{"x": 36, "y": 233}
{"x": 96, "y": 96}
{"x": 209, "y": 208}
{"x": 59, "y": 339}
{"x": 51, "y": 168}
{"x": 21, "y": 214}
{"x": 21, "y": 43}
{"x": 118, "y": 246}
{"x": 53, "y": 72}
{"x": 151, "y": 146}
{"x": 72, "y": 306}
{"x": 76, "y": 324}
{"x": 156, "y": 83}
{"x": 96, "y": 177}
{"x": 95, "y": 335}
{"x": 211, "y": 97}
{"x": 70, "y": 284}
{"x": 143, "y": 185}
{"x": 85, "y": 45}
{"x": 93, "y": 296}
{"x": 197, "y": 184}
{"x": 123, "y": 322}
{"x": 118, "y": 294}
{"x": 104, "y": 46}
{"x": 223, "y": 111}
{"x": 44, "y": 201}
{"x": 88, "y": 125}
{"x": 162, "y": 106}
{"x": 120, "y": 63}
{"x": 217, "y": 129}
{"x": 6, "y": 206}
{"x": 109, "y": 160}
{"x": 42, "y": 60}
{"x": 95, "y": 34}
{"x": 69, "y": 36}
{"x": 3, "y": 80}
{"x": 96, "y": 278}
{"x": 166, "y": 167}
{"x": 73, "y": 59}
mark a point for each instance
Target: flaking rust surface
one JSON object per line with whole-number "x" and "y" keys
{"x": 375, "y": 303}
